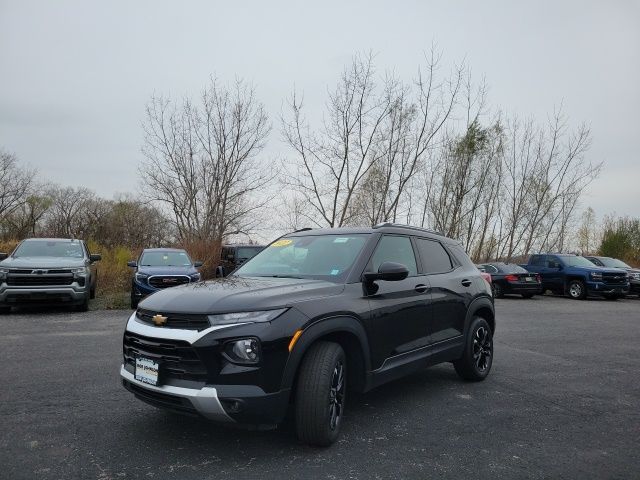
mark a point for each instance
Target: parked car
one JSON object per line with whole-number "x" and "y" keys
{"x": 315, "y": 312}
{"x": 634, "y": 273}
{"x": 577, "y": 277}
{"x": 512, "y": 279}
{"x": 160, "y": 268}
{"x": 48, "y": 271}
{"x": 232, "y": 256}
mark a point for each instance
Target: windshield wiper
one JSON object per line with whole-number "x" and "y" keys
{"x": 280, "y": 276}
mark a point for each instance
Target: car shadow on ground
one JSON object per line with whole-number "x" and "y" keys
{"x": 199, "y": 436}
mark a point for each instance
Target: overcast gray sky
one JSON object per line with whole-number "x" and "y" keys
{"x": 76, "y": 75}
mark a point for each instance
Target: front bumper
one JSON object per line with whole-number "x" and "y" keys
{"x": 203, "y": 401}
{"x": 252, "y": 395}
{"x": 601, "y": 288}
{"x": 71, "y": 294}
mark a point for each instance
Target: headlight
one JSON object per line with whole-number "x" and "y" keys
{"x": 246, "y": 350}
{"x": 195, "y": 277}
{"x": 79, "y": 270}
{"x": 241, "y": 317}
{"x": 632, "y": 275}
{"x": 596, "y": 276}
{"x": 141, "y": 277}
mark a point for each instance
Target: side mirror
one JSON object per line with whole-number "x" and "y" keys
{"x": 95, "y": 257}
{"x": 3, "y": 256}
{"x": 389, "y": 272}
{"x": 197, "y": 264}
{"x": 219, "y": 271}
{"x": 132, "y": 263}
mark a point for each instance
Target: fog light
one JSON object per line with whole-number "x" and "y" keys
{"x": 246, "y": 350}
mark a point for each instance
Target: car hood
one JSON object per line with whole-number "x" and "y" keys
{"x": 164, "y": 270}
{"x": 238, "y": 294}
{"x": 42, "y": 262}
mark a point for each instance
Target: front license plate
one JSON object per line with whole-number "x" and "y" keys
{"x": 147, "y": 371}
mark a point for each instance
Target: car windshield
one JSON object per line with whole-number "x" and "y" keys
{"x": 325, "y": 257}
{"x": 245, "y": 253}
{"x": 511, "y": 268}
{"x": 613, "y": 262}
{"x": 575, "y": 261}
{"x": 50, "y": 248}
{"x": 165, "y": 259}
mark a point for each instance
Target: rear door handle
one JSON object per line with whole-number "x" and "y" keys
{"x": 420, "y": 288}
{"x": 466, "y": 283}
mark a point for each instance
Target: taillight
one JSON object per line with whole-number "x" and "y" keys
{"x": 486, "y": 276}
{"x": 511, "y": 278}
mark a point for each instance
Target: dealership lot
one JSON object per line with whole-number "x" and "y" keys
{"x": 562, "y": 401}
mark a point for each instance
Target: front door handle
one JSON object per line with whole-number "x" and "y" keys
{"x": 420, "y": 288}
{"x": 466, "y": 283}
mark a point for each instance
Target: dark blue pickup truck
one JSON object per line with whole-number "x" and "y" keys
{"x": 577, "y": 277}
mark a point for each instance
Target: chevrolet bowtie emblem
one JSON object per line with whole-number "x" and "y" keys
{"x": 159, "y": 320}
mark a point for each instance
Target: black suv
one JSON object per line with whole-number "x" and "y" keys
{"x": 232, "y": 256}
{"x": 315, "y": 313}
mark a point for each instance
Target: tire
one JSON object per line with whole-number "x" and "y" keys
{"x": 92, "y": 292}
{"x": 320, "y": 394}
{"x": 84, "y": 306}
{"x": 528, "y": 295}
{"x": 611, "y": 297}
{"x": 5, "y": 310}
{"x": 576, "y": 290}
{"x": 475, "y": 363}
{"x": 497, "y": 290}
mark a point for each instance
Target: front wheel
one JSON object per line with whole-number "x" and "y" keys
{"x": 476, "y": 361}
{"x": 320, "y": 394}
{"x": 577, "y": 290}
{"x": 84, "y": 306}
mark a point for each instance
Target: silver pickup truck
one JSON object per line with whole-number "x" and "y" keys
{"x": 48, "y": 271}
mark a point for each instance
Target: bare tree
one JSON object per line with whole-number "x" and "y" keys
{"x": 359, "y": 166}
{"x": 201, "y": 160}
{"x": 16, "y": 184}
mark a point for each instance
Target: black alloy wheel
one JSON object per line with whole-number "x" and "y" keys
{"x": 320, "y": 394}
{"x": 475, "y": 363}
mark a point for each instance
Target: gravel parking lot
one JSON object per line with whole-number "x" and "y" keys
{"x": 562, "y": 401}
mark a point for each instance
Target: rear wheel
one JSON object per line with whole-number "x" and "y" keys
{"x": 320, "y": 394}
{"x": 576, "y": 290}
{"x": 612, "y": 297}
{"x": 475, "y": 363}
{"x": 528, "y": 295}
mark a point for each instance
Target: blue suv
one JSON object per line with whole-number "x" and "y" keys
{"x": 577, "y": 277}
{"x": 159, "y": 268}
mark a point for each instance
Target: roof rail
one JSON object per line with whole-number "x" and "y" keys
{"x": 410, "y": 227}
{"x": 305, "y": 229}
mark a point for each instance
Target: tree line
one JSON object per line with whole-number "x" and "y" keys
{"x": 428, "y": 152}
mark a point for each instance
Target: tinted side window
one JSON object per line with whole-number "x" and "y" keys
{"x": 553, "y": 262}
{"x": 395, "y": 249}
{"x": 539, "y": 260}
{"x": 491, "y": 269}
{"x": 435, "y": 258}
